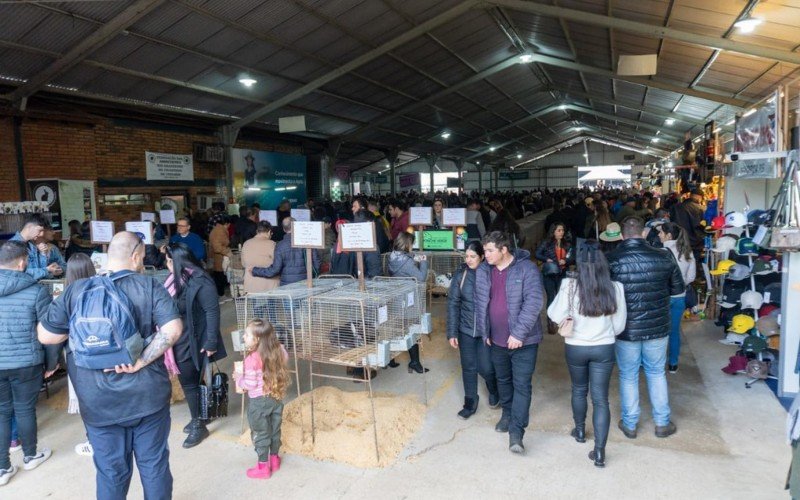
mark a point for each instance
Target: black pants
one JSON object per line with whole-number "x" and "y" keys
{"x": 514, "y": 370}
{"x": 19, "y": 390}
{"x": 221, "y": 281}
{"x": 475, "y": 359}
{"x": 552, "y": 282}
{"x": 190, "y": 383}
{"x": 590, "y": 370}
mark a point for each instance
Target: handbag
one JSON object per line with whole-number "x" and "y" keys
{"x": 213, "y": 398}
{"x": 566, "y": 325}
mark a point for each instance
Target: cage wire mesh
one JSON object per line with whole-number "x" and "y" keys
{"x": 441, "y": 268}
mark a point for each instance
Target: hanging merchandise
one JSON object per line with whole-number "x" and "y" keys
{"x": 786, "y": 222}
{"x": 735, "y": 219}
{"x": 746, "y": 247}
{"x": 723, "y": 267}
{"x": 724, "y": 244}
{"x": 742, "y": 324}
{"x": 738, "y": 272}
{"x": 751, "y": 300}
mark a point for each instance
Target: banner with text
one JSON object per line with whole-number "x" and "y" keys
{"x": 169, "y": 167}
{"x": 77, "y": 201}
{"x": 267, "y": 178}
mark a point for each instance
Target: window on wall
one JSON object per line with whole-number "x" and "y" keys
{"x": 125, "y": 199}
{"x": 439, "y": 181}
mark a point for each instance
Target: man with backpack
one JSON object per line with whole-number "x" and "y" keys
{"x": 119, "y": 327}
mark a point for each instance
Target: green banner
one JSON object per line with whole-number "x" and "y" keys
{"x": 439, "y": 239}
{"x": 513, "y": 176}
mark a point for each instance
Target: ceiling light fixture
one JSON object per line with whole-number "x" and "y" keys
{"x": 563, "y": 106}
{"x": 492, "y": 148}
{"x": 730, "y": 122}
{"x": 669, "y": 121}
{"x": 519, "y": 156}
{"x": 747, "y": 24}
{"x": 749, "y": 112}
{"x": 526, "y": 58}
{"x": 654, "y": 139}
{"x": 445, "y": 135}
{"x": 247, "y": 81}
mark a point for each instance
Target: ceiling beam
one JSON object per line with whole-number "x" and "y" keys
{"x": 373, "y": 54}
{"x": 659, "y": 84}
{"x": 91, "y": 43}
{"x": 649, "y": 109}
{"x": 651, "y": 30}
{"x": 627, "y": 121}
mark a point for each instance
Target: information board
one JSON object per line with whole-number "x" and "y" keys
{"x": 148, "y": 216}
{"x": 101, "y": 231}
{"x": 358, "y": 237}
{"x": 301, "y": 214}
{"x": 454, "y": 217}
{"x": 167, "y": 216}
{"x": 438, "y": 239}
{"x": 307, "y": 234}
{"x": 420, "y": 216}
{"x": 269, "y": 215}
{"x": 143, "y": 229}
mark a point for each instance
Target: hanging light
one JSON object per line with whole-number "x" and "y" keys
{"x": 747, "y": 24}
{"x": 669, "y": 121}
{"x": 526, "y": 58}
{"x": 519, "y": 156}
{"x": 445, "y": 135}
{"x": 247, "y": 81}
{"x": 492, "y": 148}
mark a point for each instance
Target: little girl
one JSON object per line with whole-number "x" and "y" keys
{"x": 264, "y": 377}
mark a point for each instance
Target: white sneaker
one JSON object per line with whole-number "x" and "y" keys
{"x": 6, "y": 474}
{"x": 30, "y": 463}
{"x": 84, "y": 449}
{"x": 16, "y": 445}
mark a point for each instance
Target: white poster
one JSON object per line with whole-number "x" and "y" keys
{"x": 308, "y": 234}
{"x": 77, "y": 201}
{"x": 301, "y": 214}
{"x": 454, "y": 217}
{"x": 144, "y": 229}
{"x": 420, "y": 216}
{"x": 269, "y": 215}
{"x": 167, "y": 216}
{"x": 148, "y": 216}
{"x": 101, "y": 231}
{"x": 358, "y": 237}
{"x": 169, "y": 167}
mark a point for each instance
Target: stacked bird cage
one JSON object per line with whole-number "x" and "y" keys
{"x": 443, "y": 266}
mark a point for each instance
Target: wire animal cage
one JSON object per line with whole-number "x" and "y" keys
{"x": 440, "y": 264}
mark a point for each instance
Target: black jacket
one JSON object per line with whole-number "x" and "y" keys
{"x": 547, "y": 250}
{"x": 201, "y": 322}
{"x": 346, "y": 263}
{"x": 650, "y": 276}
{"x": 461, "y": 304}
{"x": 688, "y": 216}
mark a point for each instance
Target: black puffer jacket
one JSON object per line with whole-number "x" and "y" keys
{"x": 461, "y": 304}
{"x": 650, "y": 276}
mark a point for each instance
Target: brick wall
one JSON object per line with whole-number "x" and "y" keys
{"x": 103, "y": 149}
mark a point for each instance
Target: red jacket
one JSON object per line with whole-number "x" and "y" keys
{"x": 400, "y": 224}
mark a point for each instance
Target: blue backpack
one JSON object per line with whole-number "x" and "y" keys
{"x": 102, "y": 330}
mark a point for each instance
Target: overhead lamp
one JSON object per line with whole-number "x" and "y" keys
{"x": 654, "y": 139}
{"x": 658, "y": 132}
{"x": 445, "y": 135}
{"x": 519, "y": 156}
{"x": 669, "y": 164}
{"x": 747, "y": 24}
{"x": 669, "y": 121}
{"x": 730, "y": 122}
{"x": 492, "y": 148}
{"x": 526, "y": 58}
{"x": 563, "y": 106}
{"x": 749, "y": 112}
{"x": 586, "y": 155}
{"x": 478, "y": 162}
{"x": 247, "y": 81}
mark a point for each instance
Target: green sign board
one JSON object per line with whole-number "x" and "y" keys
{"x": 438, "y": 239}
{"x": 380, "y": 179}
{"x": 512, "y": 176}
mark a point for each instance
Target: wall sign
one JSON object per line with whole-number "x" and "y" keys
{"x": 359, "y": 237}
{"x": 420, "y": 216}
{"x": 101, "y": 231}
{"x": 169, "y": 167}
{"x": 143, "y": 229}
{"x": 301, "y": 214}
{"x": 269, "y": 215}
{"x": 454, "y": 217}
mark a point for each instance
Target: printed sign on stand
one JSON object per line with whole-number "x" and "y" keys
{"x": 301, "y": 214}
{"x": 167, "y": 216}
{"x": 101, "y": 231}
{"x": 454, "y": 217}
{"x": 143, "y": 229}
{"x": 148, "y": 216}
{"x": 308, "y": 234}
{"x": 420, "y": 216}
{"x": 269, "y": 215}
{"x": 359, "y": 237}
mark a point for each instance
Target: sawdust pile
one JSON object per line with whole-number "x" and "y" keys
{"x": 344, "y": 431}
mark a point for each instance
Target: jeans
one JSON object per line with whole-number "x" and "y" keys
{"x": 14, "y": 430}
{"x": 19, "y": 391}
{"x": 552, "y": 282}
{"x": 475, "y": 359}
{"x": 676, "y": 307}
{"x": 115, "y": 446}
{"x": 514, "y": 369}
{"x": 590, "y": 370}
{"x": 265, "y": 414}
{"x": 652, "y": 355}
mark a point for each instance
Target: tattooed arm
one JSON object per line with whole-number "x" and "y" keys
{"x": 165, "y": 338}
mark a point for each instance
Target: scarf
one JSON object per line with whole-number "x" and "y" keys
{"x": 169, "y": 355}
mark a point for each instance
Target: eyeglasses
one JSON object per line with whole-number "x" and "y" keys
{"x": 183, "y": 225}
{"x": 136, "y": 248}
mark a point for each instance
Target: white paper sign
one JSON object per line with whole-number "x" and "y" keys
{"x": 760, "y": 236}
{"x": 308, "y": 234}
{"x": 383, "y": 314}
{"x": 454, "y": 216}
{"x": 144, "y": 229}
{"x": 167, "y": 216}
{"x": 101, "y": 231}
{"x": 767, "y": 297}
{"x": 269, "y": 215}
{"x": 169, "y": 167}
{"x": 100, "y": 261}
{"x": 410, "y": 299}
{"x": 359, "y": 236}
{"x": 151, "y": 216}
{"x": 301, "y": 214}
{"x": 420, "y": 216}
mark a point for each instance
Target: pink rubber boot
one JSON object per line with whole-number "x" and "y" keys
{"x": 260, "y": 471}
{"x": 274, "y": 462}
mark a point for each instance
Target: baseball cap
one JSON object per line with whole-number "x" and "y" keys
{"x": 612, "y": 233}
{"x": 768, "y": 326}
{"x": 760, "y": 217}
{"x": 717, "y": 223}
{"x": 767, "y": 309}
{"x": 733, "y": 339}
{"x": 731, "y": 293}
{"x": 735, "y": 219}
{"x": 742, "y": 323}
{"x": 757, "y": 369}
{"x": 761, "y": 267}
{"x": 754, "y": 344}
{"x": 751, "y": 300}
{"x": 735, "y": 364}
{"x": 724, "y": 243}
{"x": 723, "y": 266}
{"x": 738, "y": 272}
{"x": 745, "y": 246}
{"x": 774, "y": 291}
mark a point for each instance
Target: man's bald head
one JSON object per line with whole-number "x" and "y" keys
{"x": 286, "y": 223}
{"x": 126, "y": 251}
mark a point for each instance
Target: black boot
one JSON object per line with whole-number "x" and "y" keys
{"x": 579, "y": 433}
{"x": 393, "y": 364}
{"x": 187, "y": 428}
{"x": 470, "y": 407}
{"x": 599, "y": 457}
{"x": 197, "y": 433}
{"x": 415, "y": 365}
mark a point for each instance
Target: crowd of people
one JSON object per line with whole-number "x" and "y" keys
{"x": 616, "y": 300}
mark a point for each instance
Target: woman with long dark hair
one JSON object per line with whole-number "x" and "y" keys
{"x": 674, "y": 238}
{"x": 554, "y": 253}
{"x": 597, "y": 308}
{"x": 462, "y": 334}
{"x": 195, "y": 294}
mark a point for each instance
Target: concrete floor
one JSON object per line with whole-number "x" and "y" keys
{"x": 730, "y": 443}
